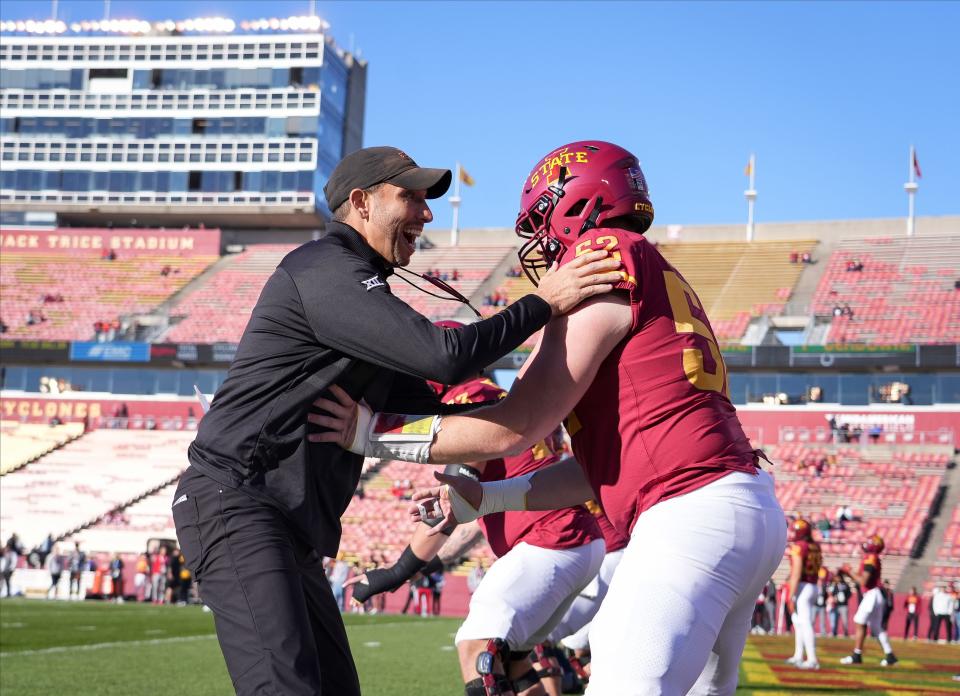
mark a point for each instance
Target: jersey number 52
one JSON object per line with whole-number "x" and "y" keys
{"x": 681, "y": 296}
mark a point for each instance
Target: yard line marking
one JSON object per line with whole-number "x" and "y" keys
{"x": 15, "y": 624}
{"x": 103, "y": 646}
{"x": 372, "y": 644}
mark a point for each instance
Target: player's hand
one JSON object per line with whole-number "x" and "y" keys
{"x": 361, "y": 591}
{"x": 588, "y": 275}
{"x": 469, "y": 490}
{"x": 339, "y": 416}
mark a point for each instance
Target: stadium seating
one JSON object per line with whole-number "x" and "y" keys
{"x": 904, "y": 294}
{"x": 889, "y": 491}
{"x": 25, "y": 442}
{"x": 735, "y": 281}
{"x": 220, "y": 309}
{"x": 77, "y": 484}
{"x": 947, "y": 564}
{"x": 93, "y": 290}
{"x": 129, "y": 530}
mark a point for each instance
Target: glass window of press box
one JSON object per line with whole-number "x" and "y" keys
{"x": 151, "y": 127}
{"x": 157, "y": 181}
{"x": 42, "y": 78}
{"x": 228, "y": 78}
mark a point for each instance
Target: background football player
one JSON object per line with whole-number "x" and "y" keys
{"x": 805, "y": 562}
{"x": 544, "y": 560}
{"x": 573, "y": 631}
{"x": 639, "y": 377}
{"x": 870, "y": 612}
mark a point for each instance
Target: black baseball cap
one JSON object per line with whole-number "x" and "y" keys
{"x": 377, "y": 165}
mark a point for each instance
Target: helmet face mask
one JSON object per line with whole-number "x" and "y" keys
{"x": 573, "y": 189}
{"x": 873, "y": 544}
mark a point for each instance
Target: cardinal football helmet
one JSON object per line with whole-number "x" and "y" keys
{"x": 573, "y": 189}
{"x": 800, "y": 530}
{"x": 873, "y": 544}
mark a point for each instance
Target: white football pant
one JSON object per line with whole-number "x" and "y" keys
{"x": 573, "y": 631}
{"x": 803, "y": 634}
{"x": 527, "y": 591}
{"x": 680, "y": 603}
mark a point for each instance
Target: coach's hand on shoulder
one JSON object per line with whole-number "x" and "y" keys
{"x": 588, "y": 275}
{"x": 340, "y": 417}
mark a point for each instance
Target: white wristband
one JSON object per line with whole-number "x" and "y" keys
{"x": 498, "y": 496}
{"x": 362, "y": 433}
{"x": 394, "y": 435}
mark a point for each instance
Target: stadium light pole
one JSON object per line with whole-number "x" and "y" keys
{"x": 455, "y": 204}
{"x": 751, "y": 195}
{"x": 53, "y": 9}
{"x": 911, "y": 188}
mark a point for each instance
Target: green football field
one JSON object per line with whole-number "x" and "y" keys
{"x": 92, "y": 648}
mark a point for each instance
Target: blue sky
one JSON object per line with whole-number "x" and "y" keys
{"x": 829, "y": 95}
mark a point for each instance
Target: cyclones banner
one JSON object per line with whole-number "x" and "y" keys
{"x": 73, "y": 241}
{"x": 41, "y": 408}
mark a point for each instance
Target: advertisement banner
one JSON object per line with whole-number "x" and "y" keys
{"x": 34, "y": 351}
{"x": 842, "y": 355}
{"x": 115, "y": 351}
{"x": 168, "y": 353}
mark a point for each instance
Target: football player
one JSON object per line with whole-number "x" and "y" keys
{"x": 870, "y": 611}
{"x": 639, "y": 377}
{"x": 573, "y": 631}
{"x": 544, "y": 561}
{"x": 805, "y": 562}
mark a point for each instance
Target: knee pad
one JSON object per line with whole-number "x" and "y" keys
{"x": 488, "y": 683}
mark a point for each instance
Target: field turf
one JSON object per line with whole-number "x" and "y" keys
{"x": 140, "y": 650}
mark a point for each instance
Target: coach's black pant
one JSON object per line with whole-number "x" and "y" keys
{"x": 279, "y": 627}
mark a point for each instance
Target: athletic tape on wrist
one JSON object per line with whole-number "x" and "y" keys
{"x": 498, "y": 496}
{"x": 508, "y": 494}
{"x": 394, "y": 435}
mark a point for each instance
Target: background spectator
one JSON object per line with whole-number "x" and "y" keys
{"x": 8, "y": 564}
{"x": 54, "y": 565}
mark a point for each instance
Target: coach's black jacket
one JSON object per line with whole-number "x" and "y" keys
{"x": 327, "y": 316}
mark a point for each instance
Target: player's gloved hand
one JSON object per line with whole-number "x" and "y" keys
{"x": 563, "y": 288}
{"x": 388, "y": 579}
{"x": 371, "y": 583}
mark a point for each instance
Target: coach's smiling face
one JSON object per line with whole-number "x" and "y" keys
{"x": 393, "y": 220}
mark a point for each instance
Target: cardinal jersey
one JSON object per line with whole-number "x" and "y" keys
{"x": 613, "y": 539}
{"x": 808, "y": 555}
{"x": 871, "y": 559}
{"x": 552, "y": 529}
{"x": 657, "y": 420}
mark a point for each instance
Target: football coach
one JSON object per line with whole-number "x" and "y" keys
{"x": 259, "y": 506}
